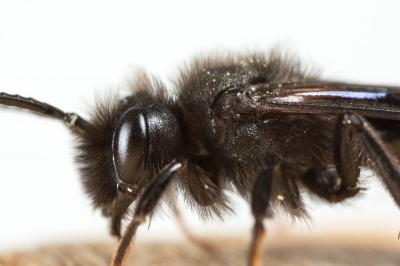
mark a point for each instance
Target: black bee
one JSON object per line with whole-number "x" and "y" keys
{"x": 259, "y": 123}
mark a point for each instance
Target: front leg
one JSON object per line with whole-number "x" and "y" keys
{"x": 145, "y": 207}
{"x": 204, "y": 245}
{"x": 260, "y": 203}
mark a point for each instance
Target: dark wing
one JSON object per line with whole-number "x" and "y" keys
{"x": 331, "y": 98}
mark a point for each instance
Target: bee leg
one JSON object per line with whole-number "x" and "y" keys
{"x": 145, "y": 207}
{"x": 289, "y": 195}
{"x": 386, "y": 164}
{"x": 206, "y": 246}
{"x": 327, "y": 185}
{"x": 117, "y": 214}
{"x": 202, "y": 244}
{"x": 346, "y": 154}
{"x": 336, "y": 186}
{"x": 260, "y": 200}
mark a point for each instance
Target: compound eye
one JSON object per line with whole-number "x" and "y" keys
{"x": 129, "y": 146}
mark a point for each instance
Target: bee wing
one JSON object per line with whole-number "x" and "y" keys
{"x": 324, "y": 98}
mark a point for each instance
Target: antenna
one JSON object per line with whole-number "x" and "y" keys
{"x": 72, "y": 120}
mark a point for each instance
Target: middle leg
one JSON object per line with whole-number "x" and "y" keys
{"x": 260, "y": 206}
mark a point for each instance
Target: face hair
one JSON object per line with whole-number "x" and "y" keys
{"x": 260, "y": 124}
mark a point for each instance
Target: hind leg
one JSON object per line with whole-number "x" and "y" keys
{"x": 336, "y": 186}
{"x": 385, "y": 161}
{"x": 328, "y": 185}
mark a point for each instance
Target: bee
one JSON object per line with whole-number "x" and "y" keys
{"x": 258, "y": 123}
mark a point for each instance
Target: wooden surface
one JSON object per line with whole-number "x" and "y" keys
{"x": 323, "y": 251}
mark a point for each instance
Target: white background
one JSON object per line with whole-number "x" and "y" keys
{"x": 66, "y": 52}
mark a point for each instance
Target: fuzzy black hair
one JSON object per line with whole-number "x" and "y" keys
{"x": 94, "y": 152}
{"x": 198, "y": 86}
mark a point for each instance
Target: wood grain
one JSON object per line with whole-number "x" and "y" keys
{"x": 322, "y": 251}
